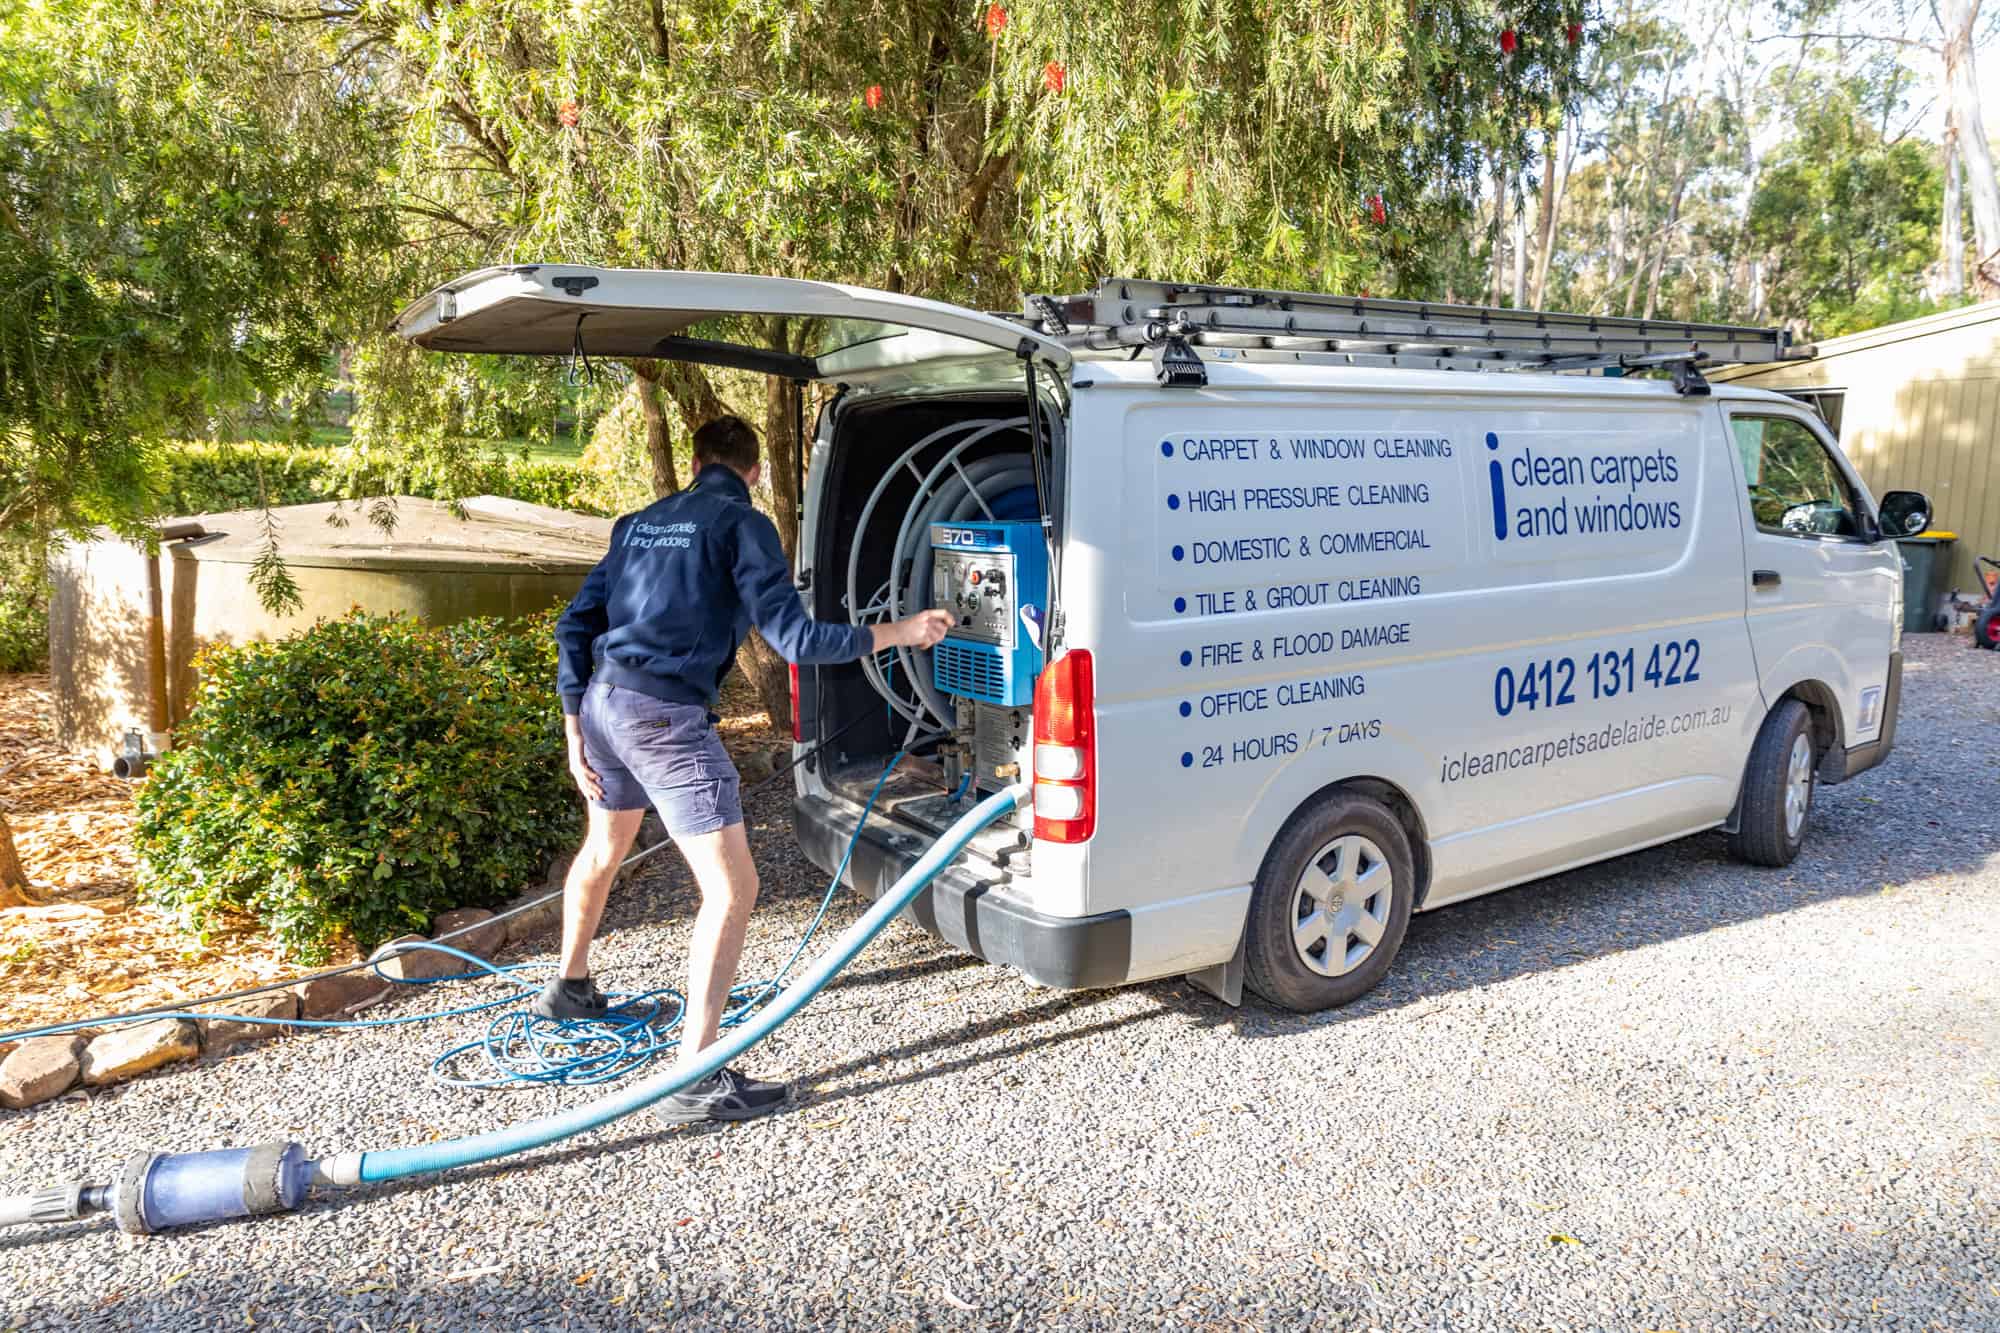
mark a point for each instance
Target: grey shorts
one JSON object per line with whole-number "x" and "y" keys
{"x": 648, "y": 751}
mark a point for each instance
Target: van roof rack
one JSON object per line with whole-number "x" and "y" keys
{"x": 1173, "y": 319}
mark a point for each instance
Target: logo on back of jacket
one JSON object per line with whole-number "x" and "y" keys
{"x": 644, "y": 536}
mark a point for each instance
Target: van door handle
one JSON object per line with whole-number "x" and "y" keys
{"x": 1764, "y": 578}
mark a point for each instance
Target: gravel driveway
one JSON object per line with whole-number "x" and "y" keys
{"x": 1667, "y": 1092}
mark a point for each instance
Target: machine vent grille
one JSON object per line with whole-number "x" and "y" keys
{"x": 974, "y": 671}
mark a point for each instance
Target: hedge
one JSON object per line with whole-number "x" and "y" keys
{"x": 207, "y": 478}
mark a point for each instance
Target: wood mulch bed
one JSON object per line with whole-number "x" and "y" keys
{"x": 88, "y": 945}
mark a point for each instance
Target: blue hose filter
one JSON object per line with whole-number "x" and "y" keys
{"x": 160, "y": 1190}
{"x": 421, "y": 1159}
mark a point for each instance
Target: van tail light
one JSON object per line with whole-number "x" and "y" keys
{"x": 798, "y": 731}
{"x": 1066, "y": 750}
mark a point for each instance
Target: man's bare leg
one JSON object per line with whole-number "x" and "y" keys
{"x": 608, "y": 837}
{"x": 728, "y": 879}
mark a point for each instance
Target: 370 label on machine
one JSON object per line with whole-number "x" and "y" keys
{"x": 1552, "y": 682}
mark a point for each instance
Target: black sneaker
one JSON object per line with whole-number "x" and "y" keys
{"x": 571, "y": 1000}
{"x": 723, "y": 1095}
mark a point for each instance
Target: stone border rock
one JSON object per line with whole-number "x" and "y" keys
{"x": 43, "y": 1068}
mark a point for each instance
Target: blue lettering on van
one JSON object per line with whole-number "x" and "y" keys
{"x": 1553, "y": 682}
{"x": 1498, "y": 481}
{"x": 1562, "y": 513}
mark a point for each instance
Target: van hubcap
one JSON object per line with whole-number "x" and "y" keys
{"x": 1341, "y": 905}
{"x": 1798, "y": 786}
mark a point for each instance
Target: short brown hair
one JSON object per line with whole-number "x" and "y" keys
{"x": 727, "y": 440}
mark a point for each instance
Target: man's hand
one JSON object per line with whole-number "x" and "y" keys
{"x": 579, "y": 770}
{"x": 922, "y": 630}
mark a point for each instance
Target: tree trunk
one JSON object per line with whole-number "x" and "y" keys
{"x": 659, "y": 439}
{"x": 1962, "y": 96}
{"x": 770, "y": 675}
{"x": 1666, "y": 241}
{"x": 1520, "y": 259}
{"x": 13, "y": 879}
{"x": 1953, "y": 221}
{"x": 1553, "y": 179}
{"x": 693, "y": 396}
{"x": 1498, "y": 284}
{"x": 782, "y": 457}
{"x": 765, "y": 670}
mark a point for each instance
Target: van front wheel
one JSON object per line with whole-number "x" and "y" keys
{"x": 1777, "y": 789}
{"x": 1330, "y": 905}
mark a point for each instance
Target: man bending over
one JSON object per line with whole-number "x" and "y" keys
{"x": 643, "y": 649}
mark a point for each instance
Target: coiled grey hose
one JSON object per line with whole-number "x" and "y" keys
{"x": 901, "y": 600}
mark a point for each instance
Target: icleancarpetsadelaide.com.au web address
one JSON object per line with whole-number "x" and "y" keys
{"x": 1610, "y": 736}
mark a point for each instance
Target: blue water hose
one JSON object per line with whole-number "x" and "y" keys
{"x": 423, "y": 1158}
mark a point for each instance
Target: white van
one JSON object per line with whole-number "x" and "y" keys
{"x": 1306, "y": 613}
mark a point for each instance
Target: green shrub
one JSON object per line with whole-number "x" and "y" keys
{"x": 361, "y": 777}
{"x": 24, "y": 607}
{"x": 209, "y": 478}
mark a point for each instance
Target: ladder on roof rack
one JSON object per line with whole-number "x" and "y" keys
{"x": 1175, "y": 318}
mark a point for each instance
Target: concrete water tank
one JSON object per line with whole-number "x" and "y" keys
{"x": 491, "y": 557}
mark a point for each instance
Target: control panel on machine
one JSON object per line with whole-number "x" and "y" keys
{"x": 993, "y": 579}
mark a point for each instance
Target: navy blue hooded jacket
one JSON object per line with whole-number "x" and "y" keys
{"x": 685, "y": 578}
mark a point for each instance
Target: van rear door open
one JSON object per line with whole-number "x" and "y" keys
{"x": 565, "y": 310}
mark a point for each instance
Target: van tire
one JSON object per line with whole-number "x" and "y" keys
{"x": 1764, "y": 834}
{"x": 1351, "y": 839}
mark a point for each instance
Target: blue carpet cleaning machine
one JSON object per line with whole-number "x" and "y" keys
{"x": 994, "y": 577}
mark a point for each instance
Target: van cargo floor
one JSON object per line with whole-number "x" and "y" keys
{"x": 918, "y": 800}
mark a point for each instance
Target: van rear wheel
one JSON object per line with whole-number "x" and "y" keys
{"x": 1778, "y": 786}
{"x": 1331, "y": 904}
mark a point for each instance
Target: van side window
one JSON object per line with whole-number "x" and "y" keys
{"x": 1796, "y": 489}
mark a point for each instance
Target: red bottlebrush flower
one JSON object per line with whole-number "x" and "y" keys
{"x": 1054, "y": 76}
{"x": 1377, "y": 209}
{"x": 284, "y": 219}
{"x": 1509, "y": 40}
{"x": 569, "y": 114}
{"x": 873, "y": 97}
{"x": 996, "y": 19}
{"x": 1575, "y": 33}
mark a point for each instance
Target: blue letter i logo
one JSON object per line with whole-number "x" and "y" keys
{"x": 1499, "y": 485}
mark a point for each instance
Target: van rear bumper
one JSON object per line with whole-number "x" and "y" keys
{"x": 966, "y": 908}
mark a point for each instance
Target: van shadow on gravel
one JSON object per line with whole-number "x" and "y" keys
{"x": 1678, "y": 889}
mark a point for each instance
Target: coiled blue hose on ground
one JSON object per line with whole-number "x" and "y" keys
{"x": 419, "y": 1159}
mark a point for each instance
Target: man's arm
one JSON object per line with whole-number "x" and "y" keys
{"x": 764, "y": 582}
{"x": 577, "y": 630}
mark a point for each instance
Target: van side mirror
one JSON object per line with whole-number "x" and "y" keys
{"x": 1904, "y": 513}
